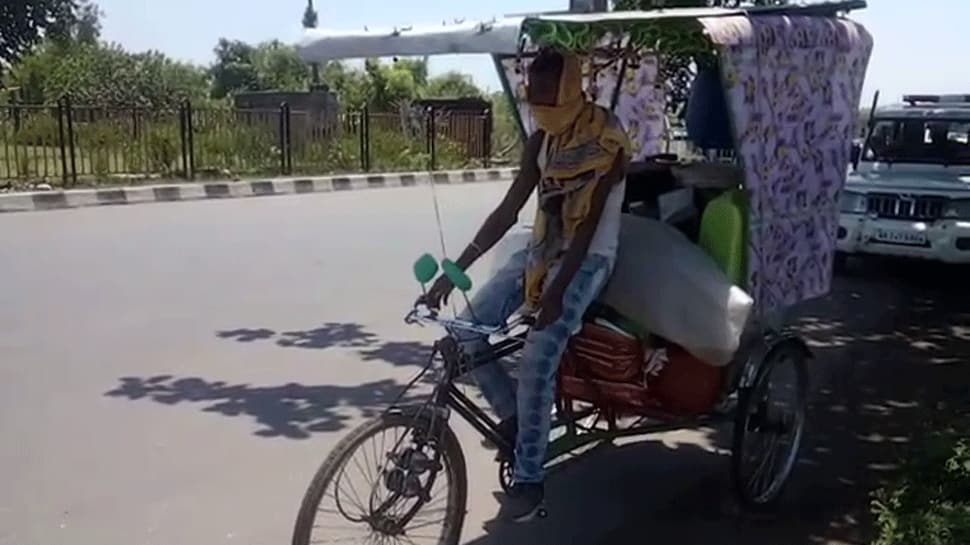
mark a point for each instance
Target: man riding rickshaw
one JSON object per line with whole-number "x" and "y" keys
{"x": 626, "y": 320}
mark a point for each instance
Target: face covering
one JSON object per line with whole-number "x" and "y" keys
{"x": 556, "y": 119}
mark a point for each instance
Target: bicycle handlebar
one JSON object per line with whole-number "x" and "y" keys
{"x": 422, "y": 314}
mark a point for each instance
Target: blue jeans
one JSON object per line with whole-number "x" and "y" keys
{"x": 532, "y": 399}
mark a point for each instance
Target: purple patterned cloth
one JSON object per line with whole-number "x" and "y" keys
{"x": 793, "y": 86}
{"x": 640, "y": 105}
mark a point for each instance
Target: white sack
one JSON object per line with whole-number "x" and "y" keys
{"x": 669, "y": 286}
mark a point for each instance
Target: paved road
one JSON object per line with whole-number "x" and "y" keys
{"x": 173, "y": 374}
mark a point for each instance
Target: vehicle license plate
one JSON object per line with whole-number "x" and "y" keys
{"x": 906, "y": 238}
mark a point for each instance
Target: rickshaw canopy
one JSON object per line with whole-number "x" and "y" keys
{"x": 792, "y": 78}
{"x": 504, "y": 36}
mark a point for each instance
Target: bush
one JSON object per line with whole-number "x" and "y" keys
{"x": 930, "y": 502}
{"x": 163, "y": 150}
{"x": 37, "y": 129}
{"x": 390, "y": 150}
{"x": 100, "y": 141}
{"x": 327, "y": 155}
{"x": 243, "y": 148}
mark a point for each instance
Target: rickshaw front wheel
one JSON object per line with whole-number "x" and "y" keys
{"x": 769, "y": 425}
{"x": 399, "y": 478}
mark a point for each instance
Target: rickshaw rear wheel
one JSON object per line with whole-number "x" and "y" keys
{"x": 407, "y": 474}
{"x": 767, "y": 435}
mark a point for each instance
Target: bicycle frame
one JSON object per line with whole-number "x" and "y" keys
{"x": 740, "y": 375}
{"x": 447, "y": 395}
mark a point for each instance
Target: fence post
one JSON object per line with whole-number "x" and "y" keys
{"x": 287, "y": 118}
{"x": 184, "y": 139}
{"x": 281, "y": 138}
{"x": 61, "y": 143}
{"x": 69, "y": 109}
{"x": 190, "y": 136}
{"x": 364, "y": 133}
{"x": 362, "y": 139}
{"x": 135, "y": 129}
{"x": 432, "y": 137}
{"x": 487, "y": 139}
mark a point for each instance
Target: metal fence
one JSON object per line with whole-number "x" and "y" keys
{"x": 65, "y": 144}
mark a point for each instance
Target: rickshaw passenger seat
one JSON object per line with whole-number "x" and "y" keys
{"x": 722, "y": 234}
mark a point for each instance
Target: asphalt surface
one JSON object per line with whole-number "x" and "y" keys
{"x": 174, "y": 373}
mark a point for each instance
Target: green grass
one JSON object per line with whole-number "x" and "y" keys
{"x": 929, "y": 503}
{"x": 245, "y": 151}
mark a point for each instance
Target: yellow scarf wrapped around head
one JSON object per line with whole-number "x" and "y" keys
{"x": 582, "y": 142}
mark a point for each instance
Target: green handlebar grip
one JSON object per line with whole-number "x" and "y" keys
{"x": 425, "y": 268}
{"x": 457, "y": 276}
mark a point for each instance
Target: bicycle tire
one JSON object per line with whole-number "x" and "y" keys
{"x": 341, "y": 453}
{"x": 799, "y": 360}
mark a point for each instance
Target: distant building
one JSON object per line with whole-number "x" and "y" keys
{"x": 466, "y": 105}
{"x": 314, "y": 110}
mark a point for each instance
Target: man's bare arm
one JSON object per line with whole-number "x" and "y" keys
{"x": 506, "y": 214}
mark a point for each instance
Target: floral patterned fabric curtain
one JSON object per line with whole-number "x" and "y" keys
{"x": 793, "y": 86}
{"x": 640, "y": 105}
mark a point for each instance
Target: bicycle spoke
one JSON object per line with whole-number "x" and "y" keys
{"x": 773, "y": 464}
{"x": 367, "y": 465}
{"x": 759, "y": 474}
{"x": 359, "y": 505}
{"x": 426, "y": 524}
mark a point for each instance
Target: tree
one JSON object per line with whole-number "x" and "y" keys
{"x": 391, "y": 84}
{"x": 233, "y": 70}
{"x": 451, "y": 85}
{"x": 107, "y": 75}
{"x": 243, "y": 67}
{"x": 32, "y": 72}
{"x": 83, "y": 28}
{"x": 73, "y": 61}
{"x": 86, "y": 27}
{"x": 24, "y": 24}
{"x": 352, "y": 87}
{"x": 310, "y": 18}
{"x": 278, "y": 67}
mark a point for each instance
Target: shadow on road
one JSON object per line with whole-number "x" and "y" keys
{"x": 329, "y": 335}
{"x": 888, "y": 344}
{"x": 339, "y": 335}
{"x": 292, "y": 411}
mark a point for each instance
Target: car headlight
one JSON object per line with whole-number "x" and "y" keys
{"x": 957, "y": 210}
{"x": 854, "y": 203}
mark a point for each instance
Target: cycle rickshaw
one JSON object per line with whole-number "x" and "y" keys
{"x": 790, "y": 79}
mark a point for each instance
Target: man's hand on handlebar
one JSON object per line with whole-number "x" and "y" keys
{"x": 438, "y": 294}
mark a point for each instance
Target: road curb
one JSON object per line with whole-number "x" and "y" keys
{"x": 181, "y": 191}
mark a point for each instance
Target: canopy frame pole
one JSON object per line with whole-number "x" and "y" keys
{"x": 509, "y": 93}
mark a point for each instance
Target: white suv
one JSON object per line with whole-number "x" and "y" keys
{"x": 909, "y": 193}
